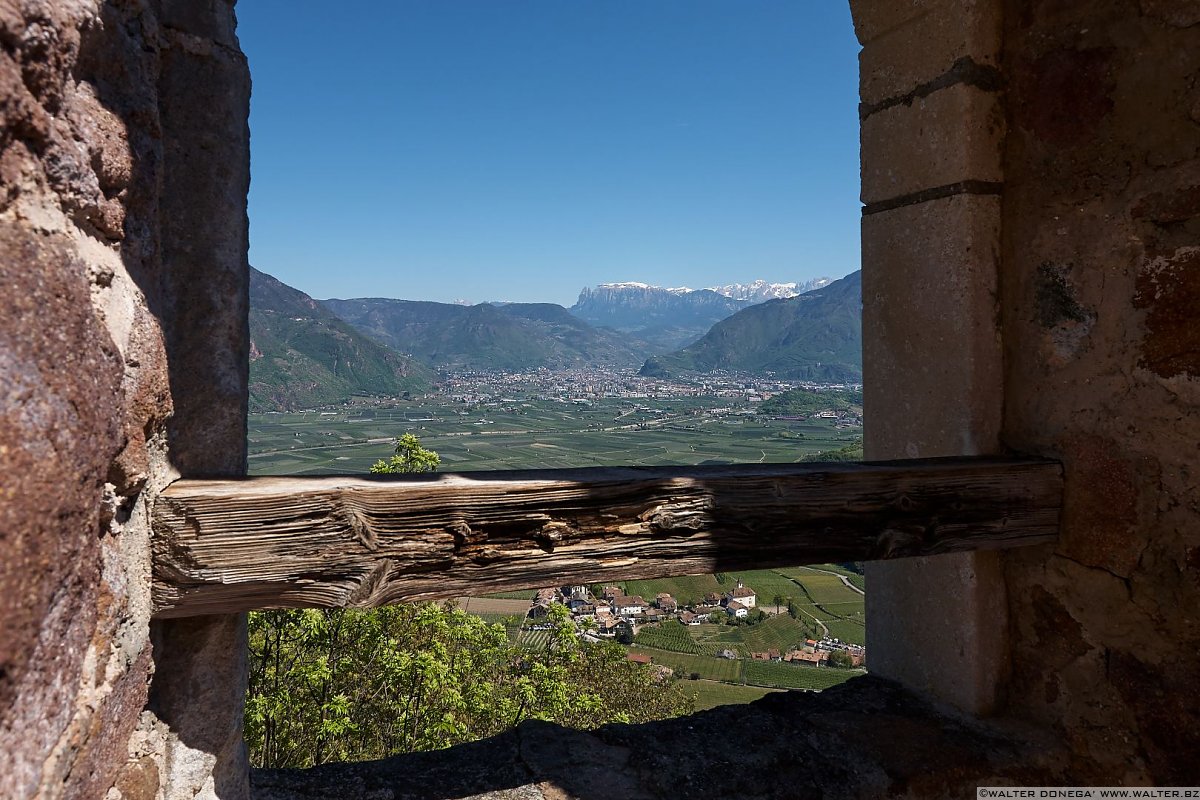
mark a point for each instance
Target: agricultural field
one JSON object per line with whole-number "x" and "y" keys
{"x": 533, "y": 639}
{"x": 506, "y": 620}
{"x": 774, "y": 674}
{"x": 781, "y": 633}
{"x": 688, "y": 590}
{"x": 481, "y": 606}
{"x": 671, "y": 636}
{"x": 856, "y": 578}
{"x": 708, "y": 668}
{"x": 847, "y": 630}
{"x": 710, "y": 694}
{"x": 823, "y": 588}
{"x": 840, "y": 608}
{"x": 809, "y": 611}
{"x": 817, "y": 596}
{"x": 524, "y": 594}
{"x": 795, "y": 676}
{"x": 532, "y": 434}
{"x": 512, "y": 628}
{"x": 767, "y": 583}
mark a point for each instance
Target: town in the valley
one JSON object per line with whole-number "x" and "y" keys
{"x": 616, "y": 615}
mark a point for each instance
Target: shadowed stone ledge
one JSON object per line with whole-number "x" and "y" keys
{"x": 867, "y": 738}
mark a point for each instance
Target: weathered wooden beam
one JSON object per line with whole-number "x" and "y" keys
{"x": 232, "y": 545}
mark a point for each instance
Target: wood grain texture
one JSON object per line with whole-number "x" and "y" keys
{"x": 232, "y": 545}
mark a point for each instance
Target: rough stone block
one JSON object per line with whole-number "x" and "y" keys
{"x": 208, "y": 19}
{"x": 876, "y": 18}
{"x": 953, "y": 135}
{"x": 203, "y": 106}
{"x": 931, "y": 349}
{"x": 933, "y": 385}
{"x": 202, "y": 701}
{"x": 939, "y": 625}
{"x": 952, "y": 41}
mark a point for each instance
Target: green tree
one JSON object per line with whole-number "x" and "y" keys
{"x": 344, "y": 685}
{"x": 332, "y": 685}
{"x": 409, "y": 456}
{"x": 349, "y": 685}
{"x": 838, "y": 658}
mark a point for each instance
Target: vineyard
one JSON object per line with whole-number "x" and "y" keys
{"x": 713, "y": 669}
{"x": 791, "y": 676}
{"x": 671, "y": 636}
{"x": 688, "y": 590}
{"x": 847, "y": 630}
{"x": 533, "y": 639}
{"x": 781, "y": 633}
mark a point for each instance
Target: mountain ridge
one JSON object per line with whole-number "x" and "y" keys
{"x": 302, "y": 355}
{"x": 812, "y": 336}
{"x": 306, "y": 352}
{"x": 513, "y": 336}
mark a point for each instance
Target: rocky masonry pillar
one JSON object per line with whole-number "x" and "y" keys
{"x": 204, "y": 94}
{"x": 124, "y": 165}
{"x": 932, "y": 132}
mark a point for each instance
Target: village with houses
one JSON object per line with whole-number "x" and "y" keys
{"x": 615, "y": 615}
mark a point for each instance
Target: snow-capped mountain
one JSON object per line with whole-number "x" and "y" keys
{"x": 638, "y": 285}
{"x": 668, "y": 318}
{"x": 761, "y": 291}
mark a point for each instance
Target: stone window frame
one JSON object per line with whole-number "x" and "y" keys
{"x": 932, "y": 129}
{"x": 932, "y": 139}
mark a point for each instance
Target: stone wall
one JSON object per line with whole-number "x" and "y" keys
{"x": 1031, "y": 175}
{"x": 1031, "y": 282}
{"x": 1101, "y": 310}
{"x": 123, "y": 175}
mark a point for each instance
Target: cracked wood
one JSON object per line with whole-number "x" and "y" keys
{"x": 222, "y": 546}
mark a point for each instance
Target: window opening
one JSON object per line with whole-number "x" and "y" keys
{"x": 526, "y": 191}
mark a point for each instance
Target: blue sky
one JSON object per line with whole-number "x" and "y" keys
{"x": 522, "y": 149}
